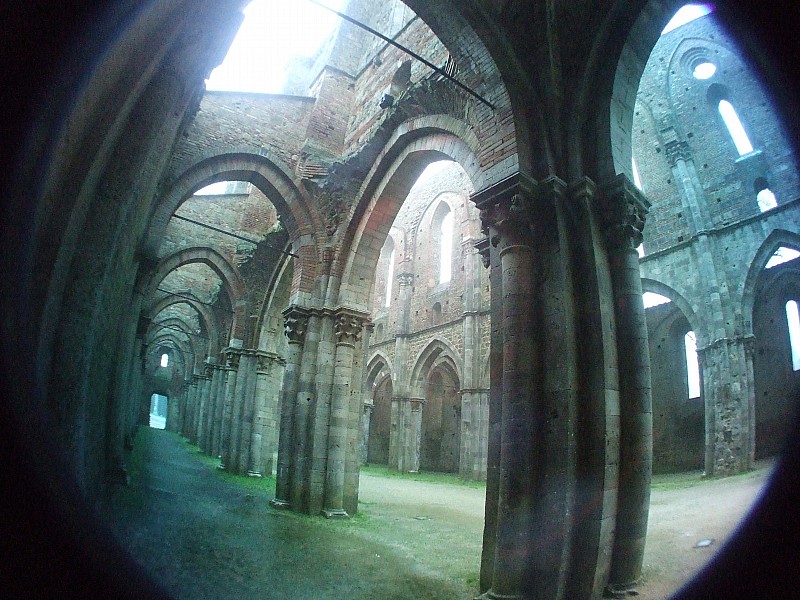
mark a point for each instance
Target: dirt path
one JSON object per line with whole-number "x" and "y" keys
{"x": 210, "y": 536}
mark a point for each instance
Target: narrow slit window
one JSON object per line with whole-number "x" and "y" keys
{"x": 446, "y": 248}
{"x": 793, "y": 318}
{"x": 692, "y": 364}
{"x": 637, "y": 180}
{"x": 735, "y": 127}
{"x": 165, "y": 360}
{"x": 389, "y": 279}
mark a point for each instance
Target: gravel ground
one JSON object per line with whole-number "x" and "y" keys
{"x": 204, "y": 534}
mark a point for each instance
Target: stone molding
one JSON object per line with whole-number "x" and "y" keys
{"x": 624, "y": 209}
{"x": 267, "y": 359}
{"x": 484, "y": 249}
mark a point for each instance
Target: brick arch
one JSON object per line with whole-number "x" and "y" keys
{"x": 651, "y": 285}
{"x": 487, "y": 65}
{"x": 206, "y": 317}
{"x": 438, "y": 353}
{"x": 775, "y": 240}
{"x": 255, "y": 165}
{"x": 413, "y": 147}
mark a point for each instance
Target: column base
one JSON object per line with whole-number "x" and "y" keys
{"x": 335, "y": 513}
{"x": 280, "y": 504}
{"x": 254, "y": 474}
{"x": 490, "y": 595}
{"x": 222, "y": 467}
{"x": 619, "y": 590}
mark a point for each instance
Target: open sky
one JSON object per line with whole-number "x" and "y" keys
{"x": 273, "y": 31}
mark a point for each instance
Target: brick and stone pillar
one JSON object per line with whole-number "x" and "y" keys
{"x": 348, "y": 328}
{"x": 624, "y": 210}
{"x": 295, "y": 325}
{"x": 726, "y": 365}
{"x": 227, "y": 457}
{"x": 263, "y": 436}
{"x": 401, "y": 445}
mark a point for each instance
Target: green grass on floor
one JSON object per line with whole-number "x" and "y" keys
{"x": 448, "y": 478}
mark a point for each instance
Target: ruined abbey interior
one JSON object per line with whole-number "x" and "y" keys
{"x": 538, "y": 244}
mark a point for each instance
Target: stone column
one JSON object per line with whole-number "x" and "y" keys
{"x": 348, "y": 328}
{"x": 506, "y": 216}
{"x": 202, "y": 400}
{"x": 205, "y": 402}
{"x": 256, "y": 463}
{"x": 295, "y": 325}
{"x": 246, "y": 396}
{"x": 223, "y": 372}
{"x": 366, "y": 420}
{"x": 191, "y": 406}
{"x": 212, "y": 410}
{"x": 624, "y": 210}
{"x": 227, "y": 456}
{"x": 415, "y": 433}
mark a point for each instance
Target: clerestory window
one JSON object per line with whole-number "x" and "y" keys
{"x": 692, "y": 364}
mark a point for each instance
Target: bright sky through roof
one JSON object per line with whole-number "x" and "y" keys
{"x": 688, "y": 13}
{"x": 273, "y": 31}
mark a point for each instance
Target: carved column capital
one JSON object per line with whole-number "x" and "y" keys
{"x": 677, "y": 150}
{"x": 295, "y": 323}
{"x": 506, "y": 209}
{"x": 348, "y": 326}
{"x": 405, "y": 279}
{"x": 232, "y": 356}
{"x": 624, "y": 209}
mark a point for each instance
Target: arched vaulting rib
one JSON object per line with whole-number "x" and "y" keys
{"x": 437, "y": 353}
{"x": 777, "y": 239}
{"x": 256, "y": 166}
{"x": 232, "y": 281}
{"x": 403, "y": 160}
{"x": 651, "y": 285}
{"x": 378, "y": 367}
{"x": 207, "y": 318}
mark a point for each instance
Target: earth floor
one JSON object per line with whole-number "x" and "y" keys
{"x": 206, "y": 534}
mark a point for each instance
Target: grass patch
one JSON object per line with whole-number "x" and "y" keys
{"x": 689, "y": 479}
{"x": 446, "y": 478}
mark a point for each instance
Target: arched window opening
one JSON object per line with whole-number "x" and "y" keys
{"x": 165, "y": 360}
{"x": 782, "y": 255}
{"x": 687, "y": 14}
{"x": 692, "y": 364}
{"x": 793, "y": 318}
{"x": 436, "y": 317}
{"x": 446, "y": 248}
{"x": 640, "y": 250}
{"x": 766, "y": 200}
{"x": 735, "y": 127}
